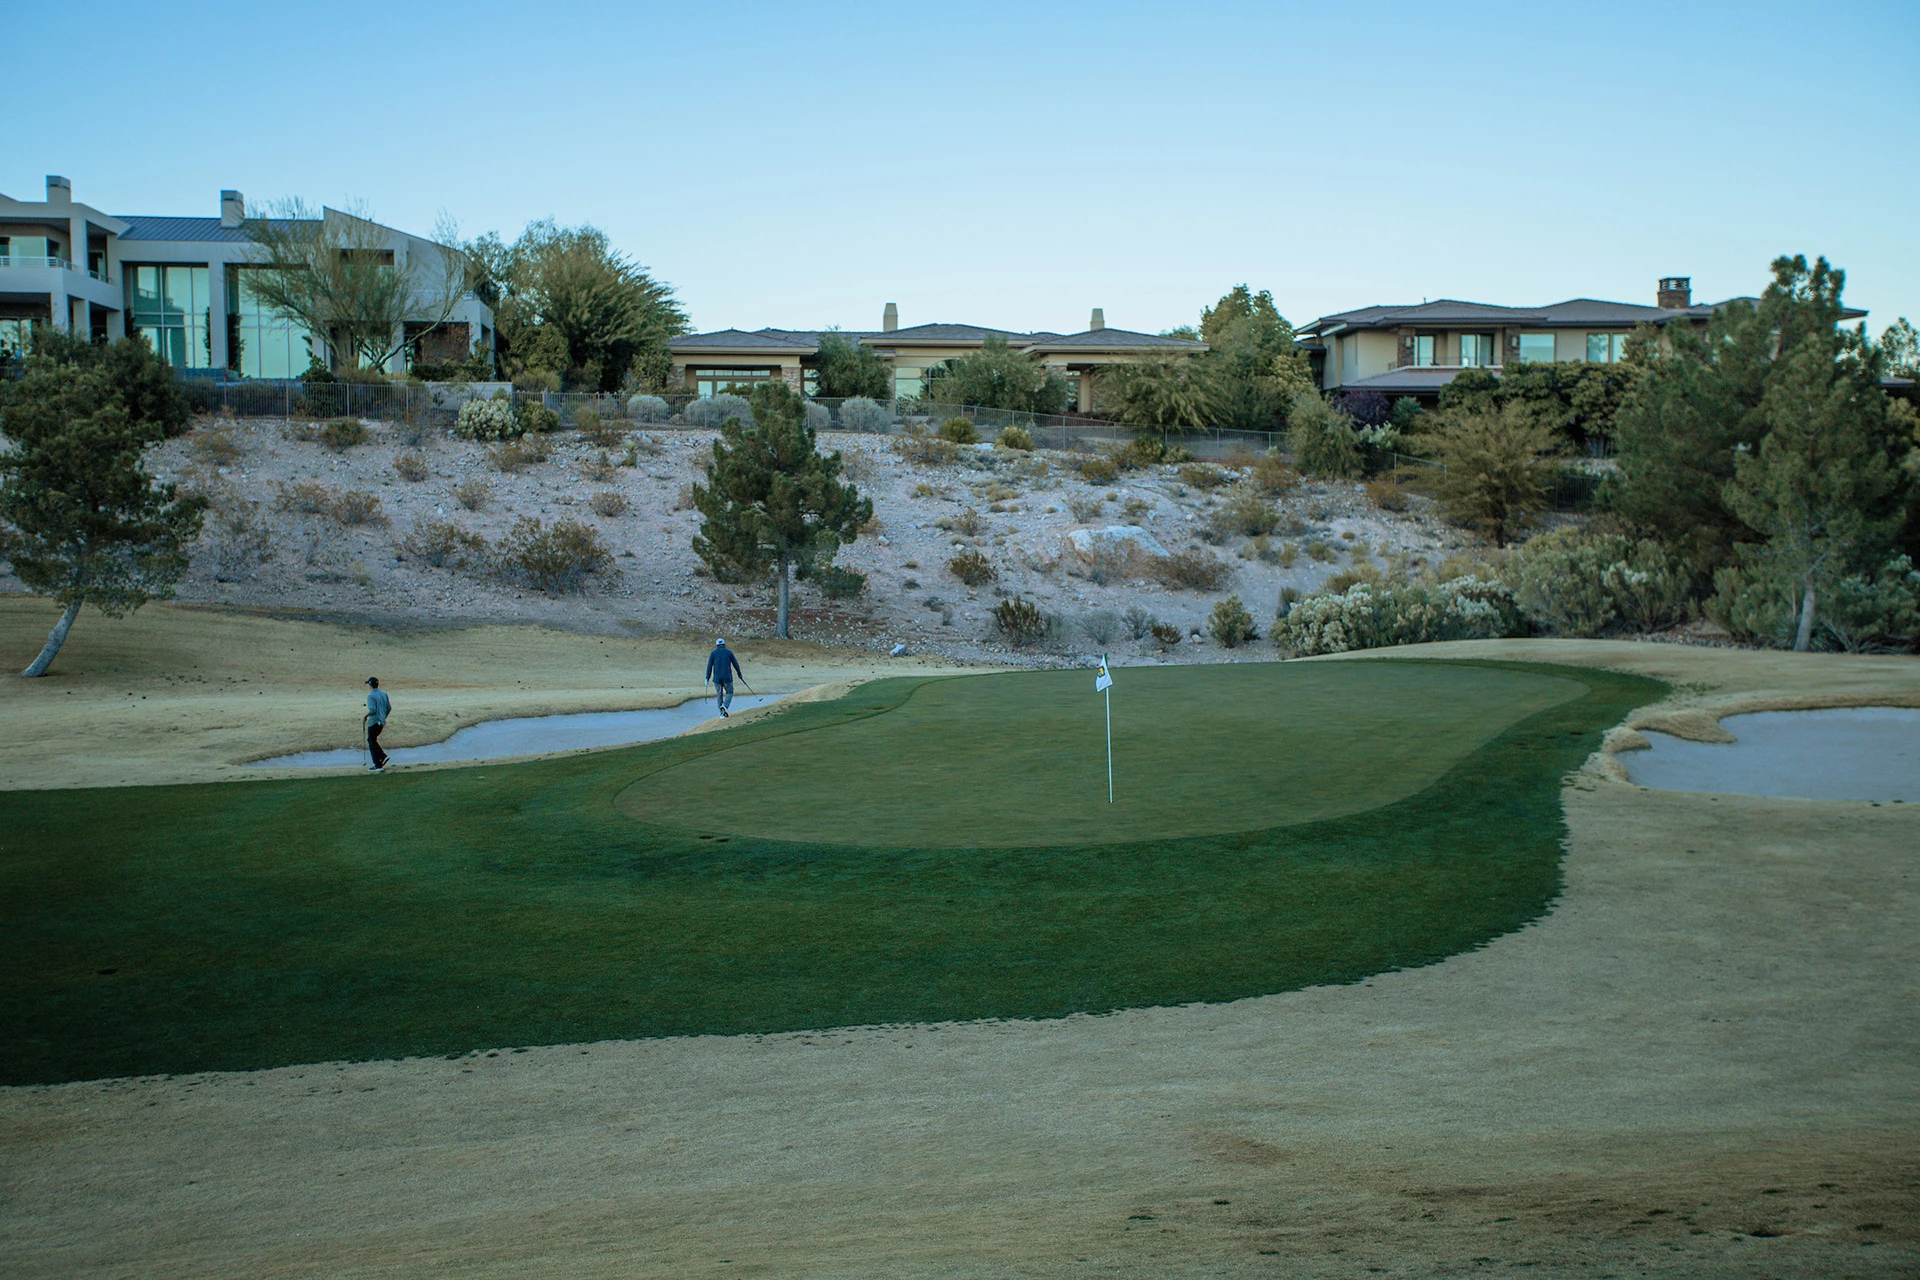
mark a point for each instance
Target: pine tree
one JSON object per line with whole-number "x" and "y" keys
{"x": 773, "y": 500}
{"x": 82, "y": 523}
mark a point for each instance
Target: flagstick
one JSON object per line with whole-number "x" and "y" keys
{"x": 1108, "y": 692}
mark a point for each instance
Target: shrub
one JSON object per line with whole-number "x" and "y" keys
{"x": 837, "y": 582}
{"x": 970, "y": 522}
{"x": 602, "y": 433}
{"x": 1286, "y": 554}
{"x": 1100, "y": 626}
{"x": 237, "y": 538}
{"x": 1574, "y": 583}
{"x": 920, "y": 446}
{"x": 487, "y": 419}
{"x": 1270, "y": 474}
{"x": 1245, "y": 514}
{"x": 862, "y": 414}
{"x": 356, "y": 508}
{"x": 1020, "y": 621}
{"x": 819, "y": 417}
{"x": 1098, "y": 468}
{"x": 972, "y": 568}
{"x": 552, "y": 560}
{"x": 959, "y": 431}
{"x": 1231, "y": 624}
{"x": 609, "y": 503}
{"x": 216, "y": 445}
{"x": 715, "y": 410}
{"x": 1202, "y": 475}
{"x": 1366, "y": 408}
{"x": 1875, "y": 612}
{"x": 443, "y": 544}
{"x": 509, "y": 457}
{"x": 1387, "y": 493}
{"x": 1322, "y": 438}
{"x": 1195, "y": 569}
{"x": 411, "y": 466}
{"x": 1015, "y": 438}
{"x": 648, "y": 409}
{"x": 1138, "y": 621}
{"x": 1164, "y": 634}
{"x": 1371, "y": 615}
{"x": 535, "y": 418}
{"x": 473, "y": 494}
{"x": 1143, "y": 451}
{"x": 304, "y": 497}
{"x": 1320, "y": 553}
{"x": 1494, "y": 469}
{"x": 1085, "y": 510}
{"x": 342, "y": 434}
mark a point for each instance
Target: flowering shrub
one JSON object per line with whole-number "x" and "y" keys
{"x": 487, "y": 419}
{"x": 1575, "y": 583}
{"x": 1373, "y": 615}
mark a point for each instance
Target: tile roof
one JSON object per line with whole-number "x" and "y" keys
{"x": 1107, "y": 339}
{"x": 1574, "y": 312}
{"x": 931, "y": 335}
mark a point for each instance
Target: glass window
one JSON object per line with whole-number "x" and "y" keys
{"x": 1423, "y": 349}
{"x": 739, "y": 382}
{"x": 908, "y": 383}
{"x": 171, "y": 307}
{"x": 1536, "y": 347}
{"x": 262, "y": 343}
{"x": 16, "y": 334}
{"x": 1476, "y": 350}
{"x": 1606, "y": 348}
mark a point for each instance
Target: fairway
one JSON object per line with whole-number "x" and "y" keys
{"x": 1020, "y": 758}
{"x": 1411, "y": 811}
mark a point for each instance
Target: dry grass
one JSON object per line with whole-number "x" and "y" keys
{"x": 411, "y": 466}
{"x": 609, "y": 503}
{"x": 473, "y": 494}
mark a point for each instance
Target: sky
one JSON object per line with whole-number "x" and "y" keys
{"x": 1015, "y": 165}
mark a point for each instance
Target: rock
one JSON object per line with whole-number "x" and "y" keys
{"x": 884, "y": 542}
{"x": 1125, "y": 539}
{"x": 897, "y": 651}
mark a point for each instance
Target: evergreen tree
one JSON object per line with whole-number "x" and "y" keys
{"x": 80, "y": 521}
{"x": 1255, "y": 367}
{"x": 772, "y": 499}
{"x": 1494, "y": 465}
{"x": 845, "y": 368}
{"x": 1171, "y": 396}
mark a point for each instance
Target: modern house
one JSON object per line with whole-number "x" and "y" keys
{"x": 708, "y": 362}
{"x": 1416, "y": 350}
{"x": 180, "y": 281}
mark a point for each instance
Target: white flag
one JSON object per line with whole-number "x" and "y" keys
{"x": 1103, "y": 681}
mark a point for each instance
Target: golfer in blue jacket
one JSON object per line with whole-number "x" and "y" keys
{"x": 721, "y": 667}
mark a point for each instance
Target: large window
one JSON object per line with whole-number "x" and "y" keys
{"x": 16, "y": 335}
{"x": 909, "y": 383}
{"x": 172, "y": 309}
{"x": 739, "y": 382}
{"x": 1536, "y": 348}
{"x": 264, "y": 344}
{"x": 1423, "y": 349}
{"x": 1476, "y": 350}
{"x": 1606, "y": 348}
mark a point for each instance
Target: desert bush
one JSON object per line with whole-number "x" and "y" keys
{"x": 342, "y": 434}
{"x": 1320, "y": 553}
{"x": 1135, "y": 508}
{"x": 1020, "y": 621}
{"x": 928, "y": 450}
{"x": 237, "y": 539}
{"x": 1286, "y": 553}
{"x": 554, "y": 560}
{"x": 862, "y": 414}
{"x": 715, "y": 410}
{"x": 1100, "y": 626}
{"x": 959, "y": 431}
{"x": 357, "y": 507}
{"x": 1231, "y": 624}
{"x": 1337, "y": 584}
{"x": 1015, "y": 438}
{"x": 487, "y": 419}
{"x": 1270, "y": 474}
{"x": 1203, "y": 476}
{"x": 1495, "y": 469}
{"x": 969, "y": 522}
{"x": 599, "y": 470}
{"x": 1143, "y": 451}
{"x": 411, "y": 466}
{"x": 515, "y": 454}
{"x": 972, "y": 568}
{"x": 1085, "y": 510}
{"x": 1099, "y": 468}
{"x": 609, "y": 503}
{"x": 1576, "y": 583}
{"x": 304, "y": 497}
{"x": 216, "y": 445}
{"x": 1194, "y": 569}
{"x": 925, "y": 490}
{"x": 648, "y": 409}
{"x": 535, "y": 418}
{"x": 602, "y": 433}
{"x": 1387, "y": 493}
{"x": 1245, "y": 514}
{"x": 1137, "y": 621}
{"x": 1322, "y": 438}
{"x": 1372, "y": 615}
{"x": 819, "y": 417}
{"x": 472, "y": 494}
{"x": 1164, "y": 634}
{"x": 443, "y": 544}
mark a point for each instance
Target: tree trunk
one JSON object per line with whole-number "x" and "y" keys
{"x": 780, "y": 624}
{"x": 1803, "y": 638}
{"x": 55, "y": 638}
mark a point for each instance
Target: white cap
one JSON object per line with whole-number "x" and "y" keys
{"x": 719, "y": 641}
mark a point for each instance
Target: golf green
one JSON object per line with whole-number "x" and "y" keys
{"x": 844, "y": 862}
{"x": 1020, "y": 758}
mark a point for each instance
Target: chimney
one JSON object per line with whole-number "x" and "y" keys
{"x": 1676, "y": 293}
{"x": 890, "y": 319}
{"x": 1099, "y": 320}
{"x": 233, "y": 208}
{"x": 59, "y": 190}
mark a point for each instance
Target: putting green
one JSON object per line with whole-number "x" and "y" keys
{"x": 1020, "y": 759}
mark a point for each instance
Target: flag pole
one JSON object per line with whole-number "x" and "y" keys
{"x": 1108, "y": 694}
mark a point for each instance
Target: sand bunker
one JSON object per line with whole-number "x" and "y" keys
{"x": 532, "y": 735}
{"x": 1844, "y": 753}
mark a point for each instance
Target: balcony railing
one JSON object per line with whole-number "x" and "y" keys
{"x": 58, "y": 263}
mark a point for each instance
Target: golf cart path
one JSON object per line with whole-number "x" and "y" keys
{"x": 1705, "y": 1061}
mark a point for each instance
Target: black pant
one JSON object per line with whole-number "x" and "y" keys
{"x": 373, "y": 746}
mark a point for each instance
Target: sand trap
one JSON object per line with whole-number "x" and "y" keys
{"x": 1844, "y": 753}
{"x": 532, "y": 735}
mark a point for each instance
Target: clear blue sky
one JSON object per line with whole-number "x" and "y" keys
{"x": 1017, "y": 164}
